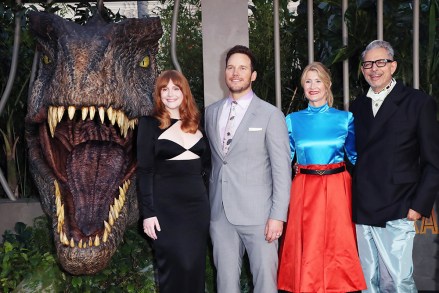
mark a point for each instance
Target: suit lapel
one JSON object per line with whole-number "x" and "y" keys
{"x": 243, "y": 126}
{"x": 216, "y": 139}
{"x": 386, "y": 111}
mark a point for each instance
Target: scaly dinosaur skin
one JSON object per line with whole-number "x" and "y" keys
{"x": 93, "y": 82}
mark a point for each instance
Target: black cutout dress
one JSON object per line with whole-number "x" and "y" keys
{"x": 174, "y": 192}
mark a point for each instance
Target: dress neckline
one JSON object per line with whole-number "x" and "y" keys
{"x": 320, "y": 109}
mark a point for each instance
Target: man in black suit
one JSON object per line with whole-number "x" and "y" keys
{"x": 396, "y": 177}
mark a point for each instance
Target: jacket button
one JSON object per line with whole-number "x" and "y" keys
{"x": 225, "y": 162}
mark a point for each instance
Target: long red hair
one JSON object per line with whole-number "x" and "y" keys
{"x": 189, "y": 113}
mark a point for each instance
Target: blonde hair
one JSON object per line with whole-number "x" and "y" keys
{"x": 324, "y": 75}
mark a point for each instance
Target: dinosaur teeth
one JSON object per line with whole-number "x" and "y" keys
{"x": 52, "y": 119}
{"x": 120, "y": 121}
{"x": 133, "y": 123}
{"x": 58, "y": 206}
{"x": 121, "y": 194}
{"x": 56, "y": 113}
{"x": 102, "y": 114}
{"x": 113, "y": 214}
{"x": 107, "y": 227}
{"x": 84, "y": 112}
{"x": 49, "y": 120}
{"x": 60, "y": 111}
{"x": 110, "y": 115}
{"x": 61, "y": 215}
{"x": 71, "y": 112}
{"x": 126, "y": 184}
{"x": 92, "y": 112}
{"x": 117, "y": 204}
{"x": 110, "y": 218}
{"x": 65, "y": 241}
{"x": 105, "y": 237}
{"x": 57, "y": 190}
{"x": 60, "y": 220}
{"x": 97, "y": 242}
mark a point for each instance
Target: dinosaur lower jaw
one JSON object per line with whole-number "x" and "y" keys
{"x": 90, "y": 257}
{"x": 85, "y": 261}
{"x": 68, "y": 234}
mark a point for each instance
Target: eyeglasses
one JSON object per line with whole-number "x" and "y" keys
{"x": 378, "y": 63}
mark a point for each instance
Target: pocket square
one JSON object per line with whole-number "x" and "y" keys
{"x": 254, "y": 129}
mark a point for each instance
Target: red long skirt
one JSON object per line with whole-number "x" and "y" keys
{"x": 319, "y": 251}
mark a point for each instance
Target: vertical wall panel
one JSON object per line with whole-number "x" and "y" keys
{"x": 225, "y": 24}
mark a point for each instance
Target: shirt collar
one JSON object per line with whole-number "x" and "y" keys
{"x": 244, "y": 101}
{"x": 383, "y": 93}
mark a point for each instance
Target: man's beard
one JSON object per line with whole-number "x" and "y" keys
{"x": 237, "y": 90}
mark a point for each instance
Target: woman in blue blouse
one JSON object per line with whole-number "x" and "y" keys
{"x": 319, "y": 252}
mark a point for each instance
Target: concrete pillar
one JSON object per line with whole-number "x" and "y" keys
{"x": 142, "y": 9}
{"x": 224, "y": 24}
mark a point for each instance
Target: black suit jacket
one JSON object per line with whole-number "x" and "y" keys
{"x": 398, "y": 157}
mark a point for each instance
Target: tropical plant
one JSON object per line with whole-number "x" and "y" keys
{"x": 397, "y": 29}
{"x": 12, "y": 147}
{"x": 360, "y": 18}
{"x": 28, "y": 264}
{"x": 189, "y": 44}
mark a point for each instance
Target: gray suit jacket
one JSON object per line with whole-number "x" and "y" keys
{"x": 253, "y": 180}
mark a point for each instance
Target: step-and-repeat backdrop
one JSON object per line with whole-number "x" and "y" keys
{"x": 426, "y": 252}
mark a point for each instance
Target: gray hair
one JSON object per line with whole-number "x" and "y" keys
{"x": 379, "y": 44}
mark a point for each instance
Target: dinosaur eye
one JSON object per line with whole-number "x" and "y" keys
{"x": 145, "y": 62}
{"x": 46, "y": 59}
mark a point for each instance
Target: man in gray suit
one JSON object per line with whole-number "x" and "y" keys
{"x": 250, "y": 181}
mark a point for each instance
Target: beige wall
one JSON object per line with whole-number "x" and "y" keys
{"x": 12, "y": 212}
{"x": 224, "y": 25}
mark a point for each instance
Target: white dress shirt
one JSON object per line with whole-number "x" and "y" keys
{"x": 378, "y": 98}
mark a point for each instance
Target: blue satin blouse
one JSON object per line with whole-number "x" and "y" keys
{"x": 321, "y": 135}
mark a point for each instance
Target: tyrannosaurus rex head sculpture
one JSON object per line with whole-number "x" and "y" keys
{"x": 93, "y": 82}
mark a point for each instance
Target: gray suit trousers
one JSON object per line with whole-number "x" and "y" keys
{"x": 229, "y": 245}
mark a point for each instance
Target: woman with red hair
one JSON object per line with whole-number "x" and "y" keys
{"x": 172, "y": 156}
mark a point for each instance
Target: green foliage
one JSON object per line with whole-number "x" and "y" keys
{"x": 28, "y": 264}
{"x": 292, "y": 52}
{"x": 28, "y": 261}
{"x": 26, "y": 250}
{"x": 189, "y": 44}
{"x": 84, "y": 10}
{"x": 130, "y": 270}
{"x": 360, "y": 18}
{"x": 12, "y": 146}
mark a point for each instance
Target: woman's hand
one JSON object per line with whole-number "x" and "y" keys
{"x": 149, "y": 227}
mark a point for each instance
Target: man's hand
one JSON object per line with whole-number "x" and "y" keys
{"x": 413, "y": 215}
{"x": 149, "y": 226}
{"x": 273, "y": 230}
